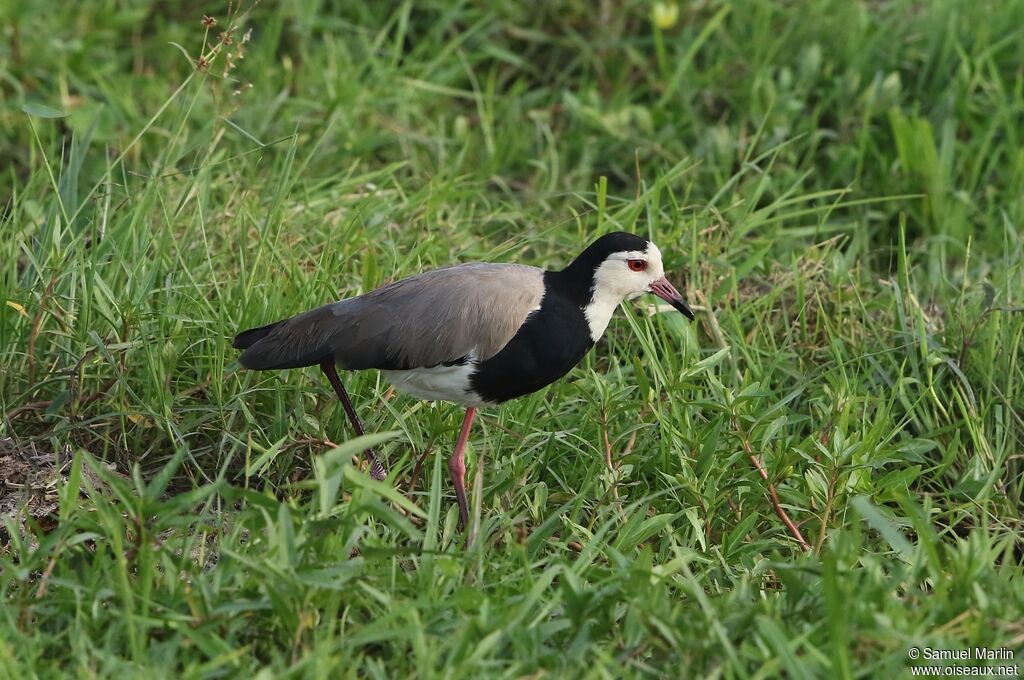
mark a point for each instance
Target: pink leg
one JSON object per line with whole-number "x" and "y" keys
{"x": 457, "y": 466}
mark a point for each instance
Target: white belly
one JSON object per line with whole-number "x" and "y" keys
{"x": 446, "y": 383}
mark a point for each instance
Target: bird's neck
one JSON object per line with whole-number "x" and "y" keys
{"x": 572, "y": 283}
{"x": 577, "y": 284}
{"x": 599, "y": 313}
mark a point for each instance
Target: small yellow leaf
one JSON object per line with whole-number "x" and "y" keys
{"x": 18, "y": 308}
{"x": 137, "y": 418}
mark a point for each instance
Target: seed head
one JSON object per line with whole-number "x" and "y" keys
{"x": 665, "y": 14}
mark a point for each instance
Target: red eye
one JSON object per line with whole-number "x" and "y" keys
{"x": 637, "y": 265}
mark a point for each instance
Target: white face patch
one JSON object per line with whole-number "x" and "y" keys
{"x": 615, "y": 281}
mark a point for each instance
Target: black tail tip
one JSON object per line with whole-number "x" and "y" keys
{"x": 247, "y": 339}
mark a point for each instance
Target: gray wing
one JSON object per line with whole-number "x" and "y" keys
{"x": 425, "y": 320}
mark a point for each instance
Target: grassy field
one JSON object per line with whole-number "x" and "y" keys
{"x": 837, "y": 185}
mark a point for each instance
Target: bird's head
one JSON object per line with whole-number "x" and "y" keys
{"x": 624, "y": 266}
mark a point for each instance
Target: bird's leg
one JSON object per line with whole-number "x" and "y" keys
{"x": 457, "y": 466}
{"x": 377, "y": 469}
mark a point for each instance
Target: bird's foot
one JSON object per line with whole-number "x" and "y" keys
{"x": 377, "y": 470}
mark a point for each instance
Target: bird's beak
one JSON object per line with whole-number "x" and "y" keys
{"x": 667, "y": 292}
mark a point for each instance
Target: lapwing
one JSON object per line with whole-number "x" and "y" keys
{"x": 476, "y": 334}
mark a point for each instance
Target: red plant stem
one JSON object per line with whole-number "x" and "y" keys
{"x": 794, "y": 530}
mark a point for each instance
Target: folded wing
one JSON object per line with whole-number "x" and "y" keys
{"x": 433, "y": 318}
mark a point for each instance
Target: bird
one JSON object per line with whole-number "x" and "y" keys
{"x": 476, "y": 334}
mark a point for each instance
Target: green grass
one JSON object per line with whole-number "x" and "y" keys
{"x": 839, "y": 185}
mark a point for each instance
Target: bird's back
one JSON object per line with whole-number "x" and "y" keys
{"x": 425, "y": 320}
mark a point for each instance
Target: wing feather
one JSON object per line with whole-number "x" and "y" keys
{"x": 432, "y": 318}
